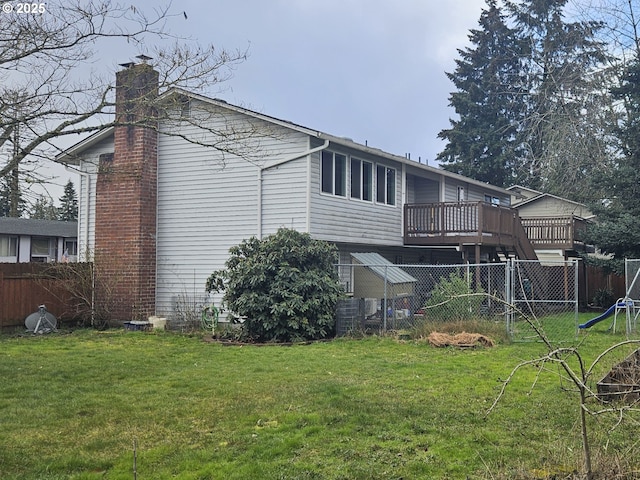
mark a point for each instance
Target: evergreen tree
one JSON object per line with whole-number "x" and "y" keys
{"x": 617, "y": 231}
{"x": 561, "y": 133}
{"x": 44, "y": 209}
{"x": 482, "y": 143}
{"x": 11, "y": 202}
{"x": 529, "y": 100}
{"x": 68, "y": 211}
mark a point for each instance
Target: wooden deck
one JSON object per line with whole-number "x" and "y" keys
{"x": 562, "y": 232}
{"x": 466, "y": 223}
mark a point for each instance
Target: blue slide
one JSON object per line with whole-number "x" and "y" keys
{"x": 610, "y": 311}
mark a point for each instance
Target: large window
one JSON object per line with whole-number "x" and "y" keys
{"x": 8, "y": 246}
{"x": 42, "y": 249}
{"x": 334, "y": 173}
{"x": 385, "y": 185}
{"x": 361, "y": 180}
{"x": 363, "y": 175}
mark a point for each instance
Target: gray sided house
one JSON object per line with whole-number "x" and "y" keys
{"x": 554, "y": 225}
{"x": 264, "y": 174}
{"x": 25, "y": 240}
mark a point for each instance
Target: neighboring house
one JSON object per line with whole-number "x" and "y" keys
{"x": 165, "y": 211}
{"x": 28, "y": 240}
{"x": 554, "y": 225}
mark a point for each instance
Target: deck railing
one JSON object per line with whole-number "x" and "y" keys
{"x": 564, "y": 232}
{"x": 440, "y": 222}
{"x": 486, "y": 224}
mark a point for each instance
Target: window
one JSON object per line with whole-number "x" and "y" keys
{"x": 361, "y": 180}
{"x": 385, "y": 185}
{"x": 461, "y": 194}
{"x": 492, "y": 200}
{"x": 71, "y": 247}
{"x": 8, "y": 246}
{"x": 42, "y": 249}
{"x": 334, "y": 173}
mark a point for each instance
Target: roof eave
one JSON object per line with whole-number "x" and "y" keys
{"x": 71, "y": 156}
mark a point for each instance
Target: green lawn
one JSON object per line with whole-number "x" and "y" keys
{"x": 73, "y": 404}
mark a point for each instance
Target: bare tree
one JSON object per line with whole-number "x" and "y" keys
{"x": 52, "y": 83}
{"x": 576, "y": 372}
{"x": 620, "y": 20}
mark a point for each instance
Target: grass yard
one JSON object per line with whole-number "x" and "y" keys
{"x": 73, "y": 405}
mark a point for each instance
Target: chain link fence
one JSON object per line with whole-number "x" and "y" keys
{"x": 524, "y": 295}
{"x": 632, "y": 278}
{"x": 543, "y": 299}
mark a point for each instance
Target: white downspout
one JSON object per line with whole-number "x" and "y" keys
{"x": 295, "y": 156}
{"x": 403, "y": 199}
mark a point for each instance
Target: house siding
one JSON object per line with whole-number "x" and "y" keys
{"x": 284, "y": 197}
{"x": 87, "y": 207}
{"x": 473, "y": 193}
{"x": 208, "y": 203}
{"x": 549, "y": 206}
{"x": 422, "y": 190}
{"x": 343, "y": 219}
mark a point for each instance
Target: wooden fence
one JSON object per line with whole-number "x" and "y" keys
{"x": 596, "y": 280}
{"x": 25, "y": 286}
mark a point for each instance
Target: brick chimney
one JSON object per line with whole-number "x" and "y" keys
{"x": 126, "y": 198}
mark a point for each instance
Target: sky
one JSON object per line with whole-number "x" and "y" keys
{"x": 369, "y": 70}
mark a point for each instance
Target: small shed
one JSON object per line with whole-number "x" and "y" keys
{"x": 379, "y": 278}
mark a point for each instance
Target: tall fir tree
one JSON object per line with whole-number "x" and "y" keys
{"x": 482, "y": 143}
{"x": 68, "y": 211}
{"x": 562, "y": 131}
{"x": 11, "y": 202}
{"x": 528, "y": 99}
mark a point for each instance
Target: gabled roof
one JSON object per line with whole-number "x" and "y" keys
{"x": 73, "y": 152}
{"x": 539, "y": 196}
{"x": 70, "y": 155}
{"x": 384, "y": 268}
{"x": 44, "y": 228}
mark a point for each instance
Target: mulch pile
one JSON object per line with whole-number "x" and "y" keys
{"x": 462, "y": 340}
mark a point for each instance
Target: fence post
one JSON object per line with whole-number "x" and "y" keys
{"x": 508, "y": 289}
{"x": 576, "y": 293}
{"x": 386, "y": 302}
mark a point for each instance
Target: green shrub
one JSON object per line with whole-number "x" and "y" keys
{"x": 451, "y": 301}
{"x": 285, "y": 287}
{"x": 603, "y": 298}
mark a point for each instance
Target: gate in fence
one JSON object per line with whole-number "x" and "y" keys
{"x": 530, "y": 297}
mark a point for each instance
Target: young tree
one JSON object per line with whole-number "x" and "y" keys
{"x": 68, "y": 210}
{"x": 286, "y": 286}
{"x": 52, "y": 55}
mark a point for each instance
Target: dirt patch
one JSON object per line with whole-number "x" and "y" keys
{"x": 461, "y": 340}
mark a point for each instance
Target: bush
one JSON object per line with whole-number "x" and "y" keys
{"x": 451, "y": 301}
{"x": 603, "y": 298}
{"x": 285, "y": 286}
